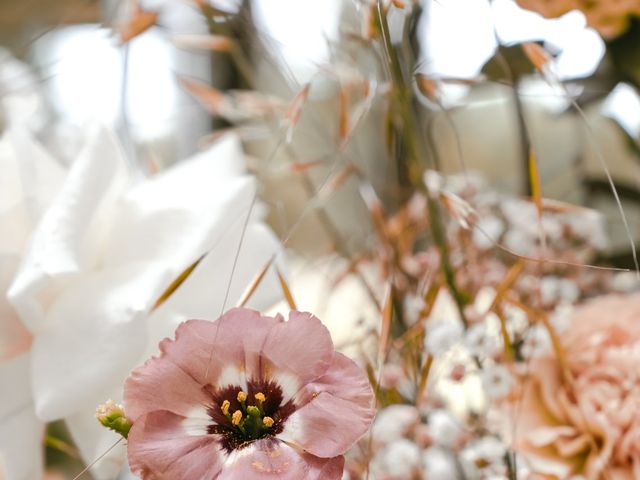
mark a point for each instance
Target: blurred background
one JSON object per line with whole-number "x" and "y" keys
{"x": 63, "y": 65}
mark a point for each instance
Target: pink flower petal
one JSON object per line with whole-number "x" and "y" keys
{"x": 160, "y": 448}
{"x": 238, "y": 336}
{"x": 272, "y": 459}
{"x": 344, "y": 379}
{"x": 301, "y": 347}
{"x": 334, "y": 410}
{"x": 162, "y": 385}
{"x": 328, "y": 425}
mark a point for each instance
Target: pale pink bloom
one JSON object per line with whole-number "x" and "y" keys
{"x": 246, "y": 396}
{"x": 592, "y": 427}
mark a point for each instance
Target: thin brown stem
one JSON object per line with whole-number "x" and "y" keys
{"x": 417, "y": 156}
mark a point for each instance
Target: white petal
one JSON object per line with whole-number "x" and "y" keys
{"x": 67, "y": 235}
{"x": 95, "y": 335}
{"x": 21, "y": 433}
{"x": 14, "y": 336}
{"x": 21, "y": 450}
{"x": 29, "y": 180}
{"x": 202, "y": 295}
{"x": 161, "y": 221}
{"x": 37, "y": 175}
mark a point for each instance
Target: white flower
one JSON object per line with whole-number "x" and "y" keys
{"x": 481, "y": 342}
{"x": 413, "y": 306}
{"x": 444, "y": 429}
{"x": 556, "y": 289}
{"x": 487, "y": 451}
{"x": 102, "y": 254}
{"x": 521, "y": 215}
{"x": 519, "y": 242}
{"x": 29, "y": 180}
{"x": 590, "y": 225}
{"x": 394, "y": 421}
{"x": 442, "y": 336}
{"x": 487, "y": 231}
{"x": 21, "y": 433}
{"x": 496, "y": 380}
{"x": 398, "y": 460}
{"x": 21, "y": 101}
{"x": 625, "y": 282}
{"x": 561, "y": 317}
{"x": 434, "y": 181}
{"x": 438, "y": 464}
{"x": 537, "y": 342}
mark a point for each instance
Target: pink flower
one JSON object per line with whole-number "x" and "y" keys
{"x": 589, "y": 426}
{"x": 246, "y": 396}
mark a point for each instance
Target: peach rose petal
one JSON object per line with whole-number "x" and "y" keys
{"x": 587, "y": 426}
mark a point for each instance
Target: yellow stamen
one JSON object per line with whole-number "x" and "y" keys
{"x": 236, "y": 418}
{"x": 268, "y": 422}
{"x": 242, "y": 396}
{"x": 225, "y": 407}
{"x": 260, "y": 397}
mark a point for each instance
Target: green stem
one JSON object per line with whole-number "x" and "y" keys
{"x": 236, "y": 55}
{"x": 417, "y": 155}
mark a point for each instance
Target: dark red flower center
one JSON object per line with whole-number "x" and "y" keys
{"x": 243, "y": 416}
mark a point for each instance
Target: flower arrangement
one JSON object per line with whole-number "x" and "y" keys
{"x": 469, "y": 319}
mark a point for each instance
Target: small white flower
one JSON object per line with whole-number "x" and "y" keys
{"x": 413, "y": 306}
{"x": 591, "y": 226}
{"x": 560, "y": 317}
{"x": 521, "y": 216}
{"x": 398, "y": 460}
{"x": 552, "y": 228}
{"x": 481, "y": 342}
{"x": 434, "y": 181}
{"x": 556, "y": 289}
{"x": 519, "y": 242}
{"x": 444, "y": 429}
{"x": 394, "y": 421}
{"x": 487, "y": 451}
{"x": 438, "y": 464}
{"x": 625, "y": 282}
{"x": 487, "y": 231}
{"x": 537, "y": 342}
{"x": 549, "y": 288}
{"x": 496, "y": 381}
{"x": 441, "y": 337}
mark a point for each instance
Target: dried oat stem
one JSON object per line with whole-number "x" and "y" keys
{"x": 417, "y": 154}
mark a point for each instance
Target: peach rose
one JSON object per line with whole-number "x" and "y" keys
{"x": 589, "y": 425}
{"x": 609, "y": 17}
